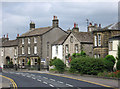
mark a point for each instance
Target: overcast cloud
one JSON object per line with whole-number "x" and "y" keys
{"x": 16, "y": 16}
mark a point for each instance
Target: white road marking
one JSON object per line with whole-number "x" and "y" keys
{"x": 45, "y": 82}
{"x": 51, "y": 85}
{"x": 69, "y": 85}
{"x": 38, "y": 80}
{"x": 45, "y": 77}
{"x": 59, "y": 82}
{"x": 52, "y": 79}
{"x": 32, "y": 75}
{"x": 33, "y": 78}
{"x": 28, "y": 76}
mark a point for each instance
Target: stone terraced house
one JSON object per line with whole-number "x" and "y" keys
{"x": 8, "y": 51}
{"x": 75, "y": 42}
{"x": 37, "y": 43}
{"x": 101, "y": 38}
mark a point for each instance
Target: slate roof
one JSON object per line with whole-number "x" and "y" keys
{"x": 114, "y": 26}
{"x": 9, "y": 43}
{"x": 111, "y": 27}
{"x": 84, "y": 36}
{"x": 37, "y": 31}
{"x": 61, "y": 40}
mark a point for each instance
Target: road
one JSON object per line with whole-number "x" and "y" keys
{"x": 42, "y": 80}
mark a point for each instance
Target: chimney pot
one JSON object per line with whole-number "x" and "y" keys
{"x": 7, "y": 35}
{"x": 4, "y": 36}
{"x": 17, "y": 35}
{"x": 100, "y": 25}
{"x": 90, "y": 24}
{"x": 74, "y": 25}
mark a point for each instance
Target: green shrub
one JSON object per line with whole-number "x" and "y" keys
{"x": 59, "y": 65}
{"x": 29, "y": 62}
{"x": 110, "y": 58}
{"x": 87, "y": 65}
{"x": 51, "y": 61}
{"x": 118, "y": 65}
{"x": 109, "y": 62}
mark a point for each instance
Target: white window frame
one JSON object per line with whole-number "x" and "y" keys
{"x": 56, "y": 49}
{"x": 76, "y": 48}
{"x": 23, "y": 40}
{"x": 35, "y": 40}
{"x": 99, "y": 39}
{"x": 28, "y": 40}
{"x": 35, "y": 49}
{"x": 23, "y": 50}
{"x": 28, "y": 50}
{"x": 95, "y": 56}
{"x": 95, "y": 40}
{"x": 66, "y": 49}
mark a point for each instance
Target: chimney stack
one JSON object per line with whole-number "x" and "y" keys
{"x": 95, "y": 25}
{"x": 75, "y": 28}
{"x": 32, "y": 25}
{"x": 55, "y": 22}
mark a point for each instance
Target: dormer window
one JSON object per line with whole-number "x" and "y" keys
{"x": 22, "y": 40}
{"x": 28, "y": 40}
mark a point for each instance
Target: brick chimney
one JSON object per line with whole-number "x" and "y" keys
{"x": 55, "y": 22}
{"x": 32, "y": 25}
{"x": 75, "y": 28}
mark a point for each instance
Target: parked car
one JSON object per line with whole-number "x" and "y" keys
{"x": 0, "y": 69}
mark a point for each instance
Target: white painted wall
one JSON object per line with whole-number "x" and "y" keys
{"x": 114, "y": 47}
{"x": 60, "y": 51}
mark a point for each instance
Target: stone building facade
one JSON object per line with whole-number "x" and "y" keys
{"x": 101, "y": 38}
{"x": 75, "y": 42}
{"x": 8, "y": 51}
{"x": 37, "y": 43}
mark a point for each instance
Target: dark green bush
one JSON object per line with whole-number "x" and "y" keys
{"x": 118, "y": 65}
{"x": 59, "y": 65}
{"x": 87, "y": 65}
{"x": 110, "y": 58}
{"x": 109, "y": 62}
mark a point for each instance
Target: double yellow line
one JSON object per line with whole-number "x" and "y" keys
{"x": 11, "y": 80}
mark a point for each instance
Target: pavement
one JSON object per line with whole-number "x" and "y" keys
{"x": 4, "y": 83}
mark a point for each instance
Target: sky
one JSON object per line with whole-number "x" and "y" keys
{"x": 16, "y": 16}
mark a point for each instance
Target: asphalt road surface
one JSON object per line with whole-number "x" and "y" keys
{"x": 29, "y": 80}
